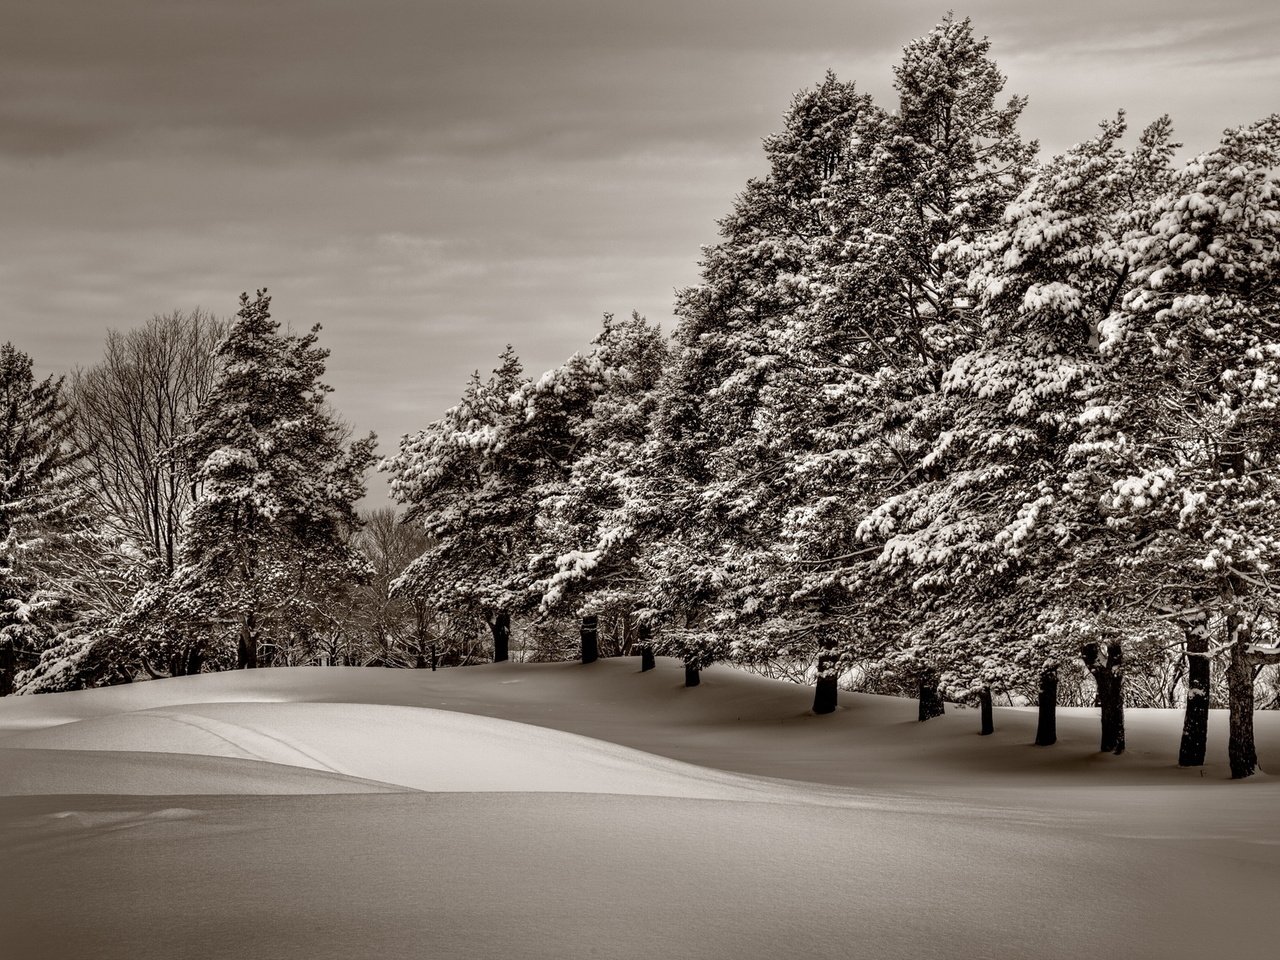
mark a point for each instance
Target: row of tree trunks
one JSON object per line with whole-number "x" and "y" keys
{"x": 187, "y": 661}
{"x": 1108, "y": 675}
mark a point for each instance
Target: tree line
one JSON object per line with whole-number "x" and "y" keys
{"x": 940, "y": 419}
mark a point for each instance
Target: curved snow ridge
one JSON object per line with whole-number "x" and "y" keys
{"x": 419, "y": 748}
{"x": 35, "y": 771}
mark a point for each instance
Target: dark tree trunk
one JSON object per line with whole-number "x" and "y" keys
{"x": 1047, "y": 722}
{"x": 628, "y": 637}
{"x": 435, "y": 658}
{"x": 590, "y": 639}
{"x": 1109, "y": 677}
{"x": 692, "y": 675}
{"x": 247, "y": 648}
{"x": 984, "y": 706}
{"x": 1113, "y": 706}
{"x": 501, "y": 630}
{"x": 1241, "y": 753}
{"x": 930, "y": 703}
{"x": 646, "y": 650}
{"x": 826, "y": 693}
{"x": 8, "y": 667}
{"x": 1195, "y": 723}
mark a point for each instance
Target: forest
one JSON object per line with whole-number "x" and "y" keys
{"x": 943, "y": 418}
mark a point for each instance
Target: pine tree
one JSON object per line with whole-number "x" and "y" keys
{"x": 731, "y": 405}
{"x": 471, "y": 494}
{"x": 978, "y": 531}
{"x": 40, "y": 512}
{"x": 894, "y": 316}
{"x": 277, "y": 485}
{"x": 1182, "y": 454}
{"x": 592, "y": 521}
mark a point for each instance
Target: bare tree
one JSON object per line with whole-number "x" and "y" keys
{"x": 400, "y": 627}
{"x": 127, "y": 412}
{"x": 129, "y": 409}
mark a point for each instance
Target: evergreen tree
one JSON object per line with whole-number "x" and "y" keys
{"x": 980, "y": 530}
{"x": 277, "y": 485}
{"x": 1182, "y": 454}
{"x": 591, "y": 522}
{"x": 894, "y": 317}
{"x": 732, "y": 402}
{"x": 41, "y": 512}
{"x": 472, "y": 495}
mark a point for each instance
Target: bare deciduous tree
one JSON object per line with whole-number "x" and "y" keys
{"x": 129, "y": 409}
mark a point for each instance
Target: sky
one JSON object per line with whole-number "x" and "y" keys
{"x": 432, "y": 180}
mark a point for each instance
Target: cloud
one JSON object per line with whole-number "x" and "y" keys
{"x": 433, "y": 180}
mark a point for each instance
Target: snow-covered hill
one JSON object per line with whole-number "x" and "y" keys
{"x": 565, "y": 811}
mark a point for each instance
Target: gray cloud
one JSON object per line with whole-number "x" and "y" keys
{"x": 432, "y": 180}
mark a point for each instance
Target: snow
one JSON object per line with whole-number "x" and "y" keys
{"x": 556, "y": 810}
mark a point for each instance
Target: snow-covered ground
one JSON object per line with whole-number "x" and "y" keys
{"x": 562, "y": 811}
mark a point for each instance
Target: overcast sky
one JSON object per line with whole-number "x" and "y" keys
{"x": 432, "y": 180}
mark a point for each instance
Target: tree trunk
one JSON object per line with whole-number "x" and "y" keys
{"x": 435, "y": 658}
{"x": 194, "y": 659}
{"x": 247, "y": 648}
{"x": 826, "y": 694}
{"x": 692, "y": 675}
{"x": 1241, "y": 753}
{"x": 1047, "y": 723}
{"x": 930, "y": 703}
{"x": 646, "y": 650}
{"x": 501, "y": 630}
{"x": 1109, "y": 677}
{"x": 8, "y": 667}
{"x": 590, "y": 639}
{"x": 628, "y": 636}
{"x": 1195, "y": 723}
{"x": 984, "y": 705}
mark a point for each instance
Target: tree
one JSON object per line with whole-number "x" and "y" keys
{"x": 858, "y": 439}
{"x": 592, "y": 514}
{"x": 130, "y": 410}
{"x": 40, "y": 510}
{"x": 278, "y": 487}
{"x": 729, "y": 405}
{"x": 471, "y": 495}
{"x": 397, "y": 623}
{"x": 127, "y": 412}
{"x": 1182, "y": 458}
{"x": 981, "y": 524}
